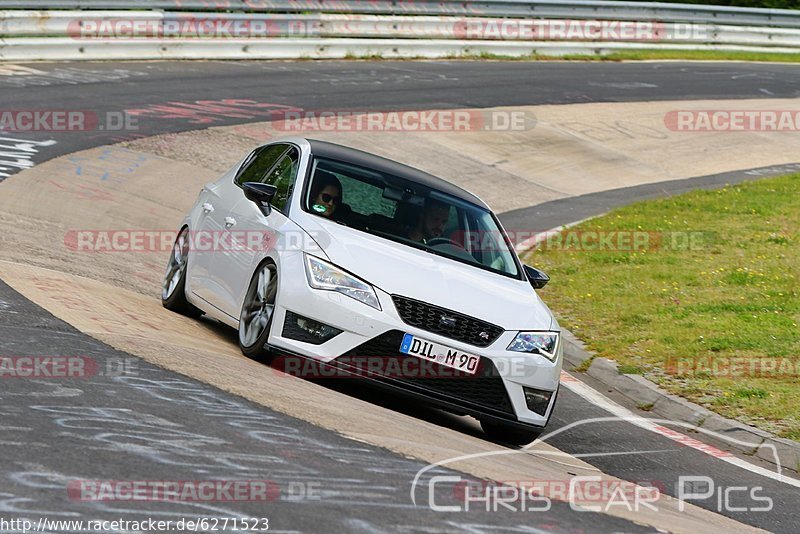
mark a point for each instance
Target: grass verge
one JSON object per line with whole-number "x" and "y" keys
{"x": 699, "y": 293}
{"x": 695, "y": 55}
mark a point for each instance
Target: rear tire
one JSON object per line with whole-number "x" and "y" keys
{"x": 173, "y": 289}
{"x": 258, "y": 309}
{"x": 509, "y": 434}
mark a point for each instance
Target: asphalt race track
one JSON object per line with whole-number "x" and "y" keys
{"x": 114, "y": 87}
{"x": 92, "y": 431}
{"x": 161, "y": 425}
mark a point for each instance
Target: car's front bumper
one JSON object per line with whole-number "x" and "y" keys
{"x": 494, "y": 392}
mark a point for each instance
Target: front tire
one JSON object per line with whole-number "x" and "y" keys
{"x": 173, "y": 289}
{"x": 258, "y": 310}
{"x": 510, "y": 435}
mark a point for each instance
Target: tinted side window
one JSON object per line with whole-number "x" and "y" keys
{"x": 366, "y": 198}
{"x": 283, "y": 176}
{"x": 259, "y": 164}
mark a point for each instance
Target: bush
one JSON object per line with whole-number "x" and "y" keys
{"x": 772, "y": 4}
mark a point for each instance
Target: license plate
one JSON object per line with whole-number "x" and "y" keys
{"x": 441, "y": 354}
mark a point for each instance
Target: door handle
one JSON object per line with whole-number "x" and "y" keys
{"x": 208, "y": 207}
{"x": 230, "y": 222}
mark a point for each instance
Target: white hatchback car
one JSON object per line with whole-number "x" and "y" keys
{"x": 328, "y": 255}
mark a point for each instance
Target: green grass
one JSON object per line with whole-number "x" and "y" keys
{"x": 731, "y": 296}
{"x": 696, "y": 55}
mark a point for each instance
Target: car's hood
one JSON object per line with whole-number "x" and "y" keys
{"x": 401, "y": 270}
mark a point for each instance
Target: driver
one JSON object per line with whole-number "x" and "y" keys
{"x": 431, "y": 222}
{"x": 326, "y": 194}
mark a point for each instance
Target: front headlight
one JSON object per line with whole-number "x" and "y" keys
{"x": 543, "y": 343}
{"x": 323, "y": 275}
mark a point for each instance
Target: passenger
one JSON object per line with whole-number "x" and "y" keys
{"x": 431, "y": 222}
{"x": 326, "y": 194}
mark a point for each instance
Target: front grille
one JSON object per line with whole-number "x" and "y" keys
{"x": 484, "y": 390}
{"x": 428, "y": 317}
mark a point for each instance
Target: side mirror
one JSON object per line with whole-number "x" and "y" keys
{"x": 261, "y": 194}
{"x": 537, "y": 278}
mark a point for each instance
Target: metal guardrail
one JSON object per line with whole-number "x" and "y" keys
{"x": 65, "y": 49}
{"x": 572, "y": 9}
{"x": 84, "y": 26}
{"x": 401, "y": 28}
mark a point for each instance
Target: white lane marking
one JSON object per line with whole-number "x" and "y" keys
{"x": 18, "y": 154}
{"x": 656, "y": 426}
{"x": 10, "y": 69}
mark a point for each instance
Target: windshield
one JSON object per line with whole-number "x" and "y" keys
{"x": 409, "y": 213}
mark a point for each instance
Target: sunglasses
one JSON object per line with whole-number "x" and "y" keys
{"x": 330, "y": 198}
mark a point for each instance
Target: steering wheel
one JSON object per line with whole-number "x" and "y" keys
{"x": 443, "y": 241}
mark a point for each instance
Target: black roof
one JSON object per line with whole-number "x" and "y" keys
{"x": 371, "y": 161}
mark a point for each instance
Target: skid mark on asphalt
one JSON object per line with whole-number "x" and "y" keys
{"x": 12, "y": 75}
{"x": 207, "y": 112}
{"x": 199, "y": 433}
{"x": 5, "y": 307}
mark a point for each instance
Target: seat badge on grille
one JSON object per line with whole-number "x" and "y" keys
{"x": 447, "y": 321}
{"x": 484, "y": 336}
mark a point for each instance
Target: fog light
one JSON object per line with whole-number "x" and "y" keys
{"x": 537, "y": 400}
{"x": 307, "y": 330}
